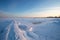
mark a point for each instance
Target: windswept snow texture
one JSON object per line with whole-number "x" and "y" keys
{"x": 29, "y": 28}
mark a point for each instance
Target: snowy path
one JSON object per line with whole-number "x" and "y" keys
{"x": 13, "y": 32}
{"x": 5, "y": 32}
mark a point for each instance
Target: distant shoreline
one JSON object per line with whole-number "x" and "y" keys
{"x": 29, "y": 17}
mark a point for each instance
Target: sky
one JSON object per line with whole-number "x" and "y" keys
{"x": 29, "y": 8}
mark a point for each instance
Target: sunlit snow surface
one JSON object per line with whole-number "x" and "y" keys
{"x": 29, "y": 28}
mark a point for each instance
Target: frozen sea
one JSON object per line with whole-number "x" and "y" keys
{"x": 29, "y": 28}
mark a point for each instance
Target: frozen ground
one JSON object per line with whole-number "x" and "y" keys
{"x": 29, "y": 28}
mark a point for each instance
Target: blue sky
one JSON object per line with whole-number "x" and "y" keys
{"x": 30, "y": 8}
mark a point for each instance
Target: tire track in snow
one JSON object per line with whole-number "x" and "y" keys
{"x": 19, "y": 33}
{"x": 8, "y": 30}
{"x": 13, "y": 32}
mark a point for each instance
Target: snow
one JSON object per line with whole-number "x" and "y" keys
{"x": 29, "y": 28}
{"x": 49, "y": 29}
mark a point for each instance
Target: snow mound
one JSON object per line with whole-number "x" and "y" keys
{"x": 28, "y": 34}
{"x": 23, "y": 27}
